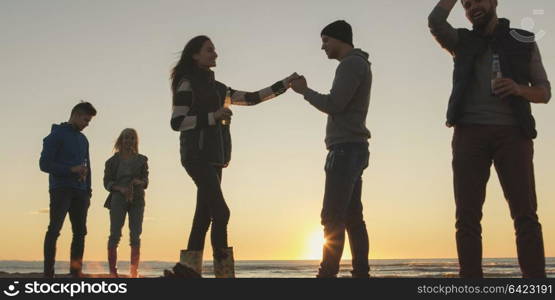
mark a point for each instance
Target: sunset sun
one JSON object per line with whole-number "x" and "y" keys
{"x": 314, "y": 244}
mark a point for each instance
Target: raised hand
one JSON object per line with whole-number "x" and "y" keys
{"x": 447, "y": 4}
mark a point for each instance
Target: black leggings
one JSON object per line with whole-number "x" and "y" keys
{"x": 211, "y": 206}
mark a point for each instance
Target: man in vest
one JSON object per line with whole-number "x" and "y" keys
{"x": 347, "y": 141}
{"x": 498, "y": 73}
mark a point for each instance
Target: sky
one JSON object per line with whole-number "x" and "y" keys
{"x": 118, "y": 55}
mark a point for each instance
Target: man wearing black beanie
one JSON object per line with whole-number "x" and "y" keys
{"x": 347, "y": 141}
{"x": 339, "y": 30}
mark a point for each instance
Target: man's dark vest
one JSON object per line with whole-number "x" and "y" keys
{"x": 515, "y": 57}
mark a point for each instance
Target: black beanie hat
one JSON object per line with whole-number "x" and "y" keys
{"x": 340, "y": 30}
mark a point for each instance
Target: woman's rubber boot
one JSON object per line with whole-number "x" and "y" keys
{"x": 189, "y": 265}
{"x": 224, "y": 265}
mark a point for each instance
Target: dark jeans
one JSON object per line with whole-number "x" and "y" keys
{"x": 342, "y": 209}
{"x": 118, "y": 211}
{"x": 62, "y": 201}
{"x": 210, "y": 208}
{"x": 475, "y": 147}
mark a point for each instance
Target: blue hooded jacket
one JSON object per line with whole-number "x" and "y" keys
{"x": 62, "y": 149}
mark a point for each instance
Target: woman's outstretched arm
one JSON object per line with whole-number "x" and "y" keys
{"x": 265, "y": 94}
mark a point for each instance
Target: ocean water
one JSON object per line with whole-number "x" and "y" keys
{"x": 397, "y": 268}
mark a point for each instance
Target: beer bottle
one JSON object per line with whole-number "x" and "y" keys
{"x": 227, "y": 104}
{"x": 495, "y": 72}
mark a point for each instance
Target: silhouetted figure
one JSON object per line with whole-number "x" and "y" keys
{"x": 201, "y": 113}
{"x": 126, "y": 178}
{"x": 65, "y": 157}
{"x": 498, "y": 72}
{"x": 347, "y": 141}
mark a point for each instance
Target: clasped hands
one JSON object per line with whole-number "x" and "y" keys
{"x": 297, "y": 83}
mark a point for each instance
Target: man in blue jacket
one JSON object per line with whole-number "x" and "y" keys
{"x": 65, "y": 157}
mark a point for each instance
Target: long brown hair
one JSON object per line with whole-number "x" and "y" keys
{"x": 186, "y": 65}
{"x": 119, "y": 142}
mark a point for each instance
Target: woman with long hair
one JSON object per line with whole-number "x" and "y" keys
{"x": 201, "y": 113}
{"x": 126, "y": 178}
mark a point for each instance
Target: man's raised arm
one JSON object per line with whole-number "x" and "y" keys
{"x": 443, "y": 32}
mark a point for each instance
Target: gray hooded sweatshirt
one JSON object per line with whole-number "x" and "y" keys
{"x": 348, "y": 101}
